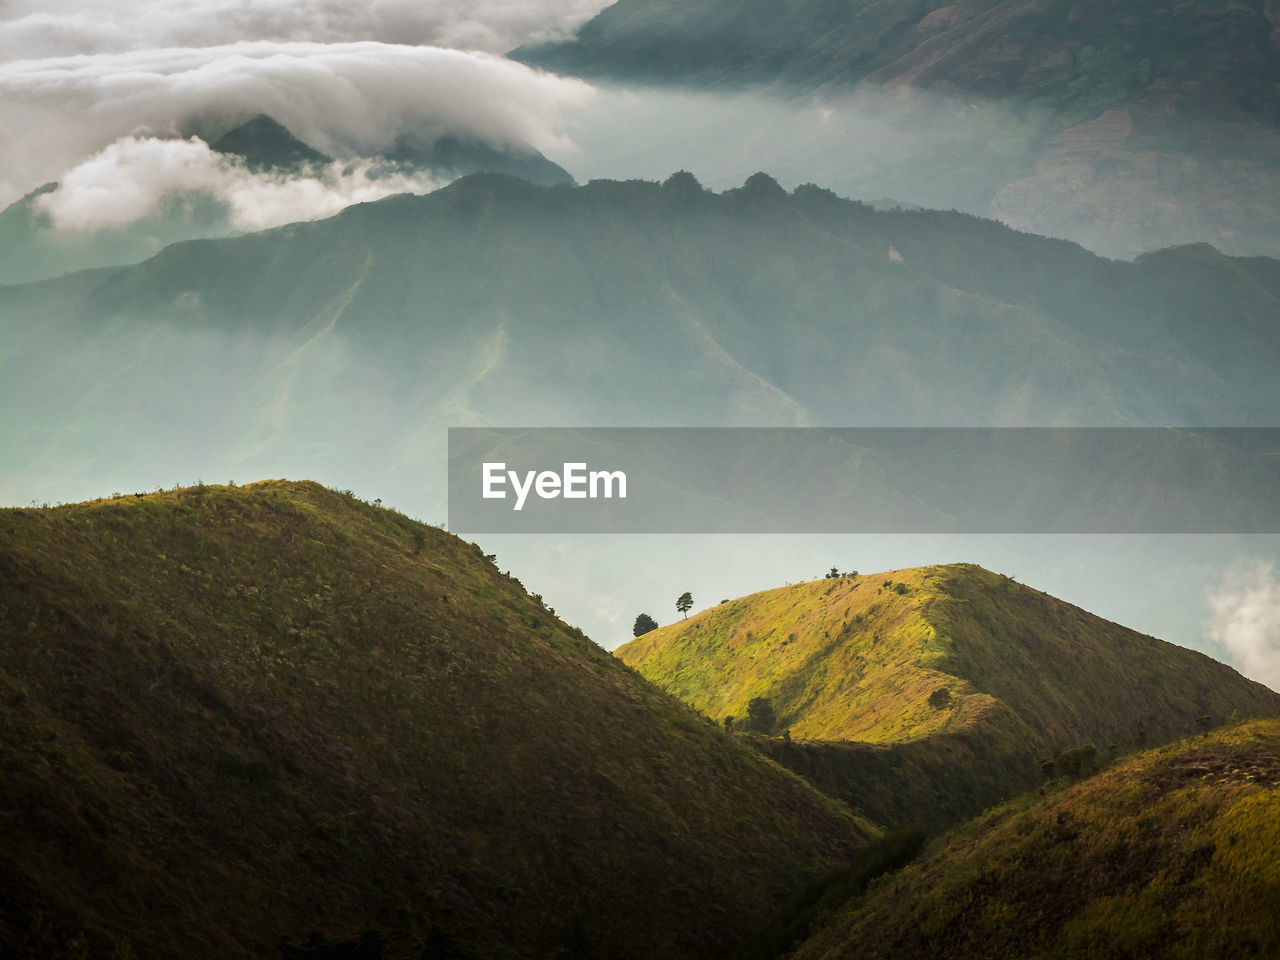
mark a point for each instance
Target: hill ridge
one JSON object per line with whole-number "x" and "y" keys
{"x": 937, "y": 688}
{"x": 230, "y": 716}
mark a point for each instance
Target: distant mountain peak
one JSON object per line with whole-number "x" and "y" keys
{"x": 266, "y": 144}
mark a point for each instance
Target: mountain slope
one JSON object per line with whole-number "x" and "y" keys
{"x": 656, "y": 303}
{"x": 1125, "y": 127}
{"x": 1172, "y": 853}
{"x": 952, "y": 654}
{"x": 265, "y": 144}
{"x": 232, "y": 716}
{"x": 1073, "y": 56}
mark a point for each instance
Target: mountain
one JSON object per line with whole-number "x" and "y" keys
{"x": 343, "y": 347}
{"x": 1125, "y": 128}
{"x": 265, "y": 144}
{"x": 931, "y": 693}
{"x": 36, "y": 249}
{"x": 1078, "y": 55}
{"x": 276, "y": 720}
{"x": 1172, "y": 853}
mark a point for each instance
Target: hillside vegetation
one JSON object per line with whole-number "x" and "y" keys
{"x": 1174, "y": 853}
{"x": 238, "y": 720}
{"x": 951, "y": 681}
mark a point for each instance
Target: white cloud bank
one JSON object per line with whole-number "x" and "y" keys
{"x": 135, "y": 177}
{"x": 54, "y": 28}
{"x": 1246, "y": 621}
{"x": 345, "y": 99}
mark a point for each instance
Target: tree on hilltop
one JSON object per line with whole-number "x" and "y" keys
{"x": 684, "y": 603}
{"x": 644, "y": 623}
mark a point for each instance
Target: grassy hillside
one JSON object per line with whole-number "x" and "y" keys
{"x": 969, "y": 675}
{"x": 230, "y": 717}
{"x": 1173, "y": 853}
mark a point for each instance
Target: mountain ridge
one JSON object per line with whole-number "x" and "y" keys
{"x": 1124, "y": 127}
{"x": 452, "y": 303}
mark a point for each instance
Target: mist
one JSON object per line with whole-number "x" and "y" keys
{"x": 136, "y": 177}
{"x": 1245, "y": 620}
{"x": 56, "y": 28}
{"x": 867, "y": 144}
{"x": 1093, "y": 185}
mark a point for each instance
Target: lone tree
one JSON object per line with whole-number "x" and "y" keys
{"x": 760, "y": 715}
{"x": 685, "y": 603}
{"x": 644, "y": 623}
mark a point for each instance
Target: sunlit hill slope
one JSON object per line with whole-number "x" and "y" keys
{"x": 953, "y": 666}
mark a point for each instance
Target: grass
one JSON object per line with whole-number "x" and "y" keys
{"x": 1173, "y": 853}
{"x": 926, "y": 695}
{"x": 239, "y": 720}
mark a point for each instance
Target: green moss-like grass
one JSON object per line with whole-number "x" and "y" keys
{"x": 926, "y": 695}
{"x": 1174, "y": 853}
{"x": 230, "y": 717}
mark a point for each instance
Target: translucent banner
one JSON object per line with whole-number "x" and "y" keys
{"x": 864, "y": 480}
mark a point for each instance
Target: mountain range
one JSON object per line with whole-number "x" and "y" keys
{"x": 1123, "y": 128}
{"x": 656, "y": 303}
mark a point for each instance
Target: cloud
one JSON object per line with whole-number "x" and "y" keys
{"x": 1246, "y": 620}
{"x": 346, "y": 99}
{"x": 135, "y": 177}
{"x": 53, "y": 28}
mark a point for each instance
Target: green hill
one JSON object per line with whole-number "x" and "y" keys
{"x": 933, "y": 691}
{"x": 239, "y": 720}
{"x": 1173, "y": 853}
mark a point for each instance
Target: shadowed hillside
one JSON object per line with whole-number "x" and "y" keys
{"x": 235, "y": 716}
{"x": 933, "y": 691}
{"x": 1172, "y": 853}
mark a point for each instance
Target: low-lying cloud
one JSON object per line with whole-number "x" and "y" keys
{"x": 136, "y": 177}
{"x": 348, "y": 100}
{"x": 55, "y": 28}
{"x": 1246, "y": 621}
